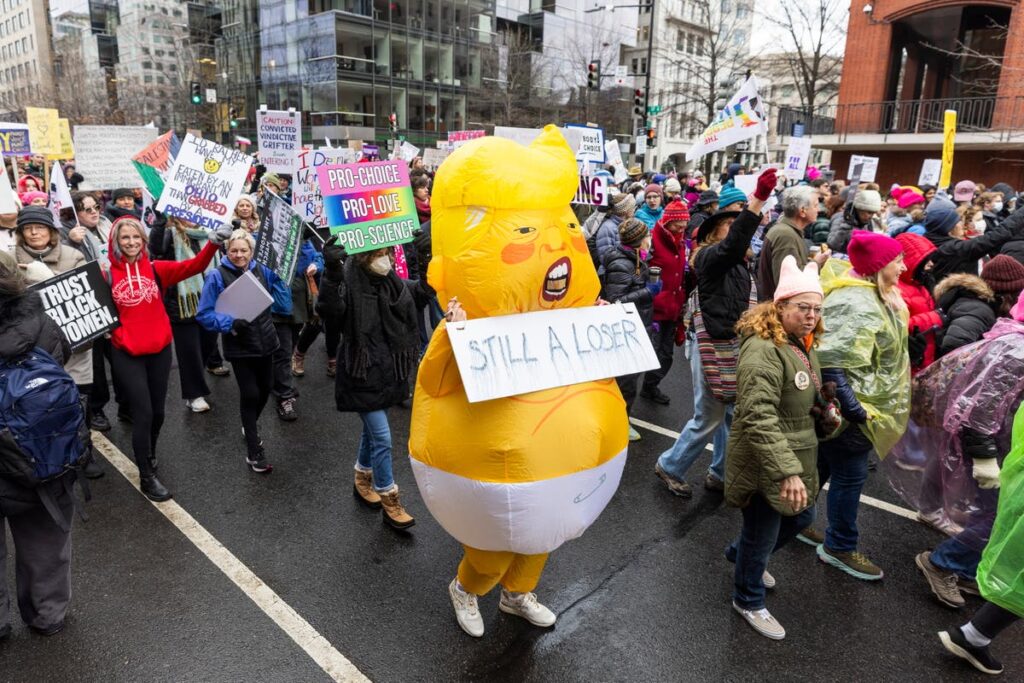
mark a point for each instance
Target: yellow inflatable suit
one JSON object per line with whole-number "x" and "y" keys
{"x": 512, "y": 478}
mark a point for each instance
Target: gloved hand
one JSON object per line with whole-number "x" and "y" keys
{"x": 36, "y": 272}
{"x": 334, "y": 254}
{"x": 654, "y": 287}
{"x": 221, "y": 234}
{"x": 765, "y": 185}
{"x": 986, "y": 473}
{"x": 239, "y": 325}
{"x": 917, "y": 343}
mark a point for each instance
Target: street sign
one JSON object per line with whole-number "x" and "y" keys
{"x": 621, "y": 74}
{"x": 641, "y": 145}
{"x": 654, "y": 109}
{"x": 211, "y": 95}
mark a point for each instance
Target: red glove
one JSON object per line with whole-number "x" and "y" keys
{"x": 765, "y": 185}
{"x": 680, "y": 336}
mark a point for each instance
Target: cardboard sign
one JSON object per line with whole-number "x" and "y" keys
{"x": 797, "y": 155}
{"x": 867, "y": 173}
{"x": 517, "y": 354}
{"x": 587, "y": 142}
{"x": 524, "y": 136}
{"x": 104, "y": 154}
{"x": 204, "y": 183}
{"x": 277, "y": 246}
{"x": 279, "y": 134}
{"x": 931, "y": 170}
{"x": 433, "y": 158}
{"x": 306, "y": 198}
{"x": 244, "y": 299}
{"x": 369, "y": 205}
{"x": 79, "y": 301}
{"x": 614, "y": 156}
{"x": 14, "y": 140}
{"x": 408, "y": 151}
{"x": 593, "y": 190}
{"x": 44, "y": 130}
{"x": 153, "y": 162}
{"x": 67, "y": 149}
{"x": 641, "y": 145}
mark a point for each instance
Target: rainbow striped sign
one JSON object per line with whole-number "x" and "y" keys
{"x": 369, "y": 205}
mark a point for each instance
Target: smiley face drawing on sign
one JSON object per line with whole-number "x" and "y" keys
{"x": 211, "y": 165}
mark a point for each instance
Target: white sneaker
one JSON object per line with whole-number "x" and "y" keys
{"x": 768, "y": 580}
{"x": 197, "y": 405}
{"x": 940, "y": 522}
{"x": 762, "y": 621}
{"x": 633, "y": 434}
{"x": 466, "y": 611}
{"x": 525, "y": 605}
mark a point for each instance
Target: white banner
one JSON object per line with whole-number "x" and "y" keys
{"x": 307, "y": 200}
{"x": 524, "y": 136}
{"x": 204, "y": 183}
{"x": 593, "y": 190}
{"x": 103, "y": 154}
{"x": 797, "y": 155}
{"x": 60, "y": 196}
{"x": 279, "y": 134}
{"x": 7, "y": 204}
{"x": 741, "y": 119}
{"x": 867, "y": 173}
{"x": 408, "y": 151}
{"x": 517, "y": 354}
{"x": 931, "y": 171}
{"x": 432, "y": 158}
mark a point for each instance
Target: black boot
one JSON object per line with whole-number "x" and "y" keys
{"x": 99, "y": 421}
{"x": 92, "y": 469}
{"x": 153, "y": 489}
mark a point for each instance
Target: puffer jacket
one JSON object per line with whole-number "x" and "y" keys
{"x": 1014, "y": 247}
{"x": 669, "y": 255}
{"x": 626, "y": 282}
{"x": 818, "y": 231}
{"x": 607, "y": 237}
{"x": 772, "y": 434}
{"x": 724, "y": 279}
{"x": 969, "y": 306}
{"x": 925, "y": 321}
{"x": 841, "y": 230}
{"x": 259, "y": 339}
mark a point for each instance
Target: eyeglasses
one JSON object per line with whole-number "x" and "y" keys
{"x": 91, "y": 209}
{"x": 807, "y": 308}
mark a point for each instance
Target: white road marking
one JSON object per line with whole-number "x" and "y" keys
{"x": 867, "y": 500}
{"x": 334, "y": 664}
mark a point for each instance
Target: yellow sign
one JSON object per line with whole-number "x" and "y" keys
{"x": 67, "y": 150}
{"x": 44, "y": 130}
{"x": 948, "y": 138}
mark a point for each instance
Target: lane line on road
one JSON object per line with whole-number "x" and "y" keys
{"x": 319, "y": 649}
{"x": 867, "y": 500}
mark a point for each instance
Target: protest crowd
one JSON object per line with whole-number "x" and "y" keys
{"x": 830, "y": 329}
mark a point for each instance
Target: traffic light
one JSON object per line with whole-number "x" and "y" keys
{"x": 233, "y": 117}
{"x": 196, "y": 89}
{"x": 393, "y": 122}
{"x": 651, "y": 134}
{"x": 594, "y": 75}
{"x": 638, "y": 102}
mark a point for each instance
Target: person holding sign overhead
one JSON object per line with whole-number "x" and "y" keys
{"x": 141, "y": 346}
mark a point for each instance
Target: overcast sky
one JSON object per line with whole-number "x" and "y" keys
{"x": 770, "y": 38}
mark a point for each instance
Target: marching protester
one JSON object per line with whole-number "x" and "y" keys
{"x": 861, "y": 214}
{"x": 786, "y": 238}
{"x": 926, "y": 322}
{"x": 706, "y": 205}
{"x": 141, "y": 346}
{"x": 245, "y": 214}
{"x": 308, "y": 268}
{"x": 725, "y": 289}
{"x": 944, "y": 228}
{"x": 968, "y": 305}
{"x": 606, "y": 237}
{"x": 248, "y": 345}
{"x": 122, "y": 204}
{"x": 651, "y": 210}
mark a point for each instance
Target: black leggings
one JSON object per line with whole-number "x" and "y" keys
{"x": 255, "y": 376}
{"x": 193, "y": 347}
{"x": 991, "y": 620}
{"x": 142, "y": 381}
{"x": 332, "y": 336}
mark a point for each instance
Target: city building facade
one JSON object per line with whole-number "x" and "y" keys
{"x": 26, "y": 56}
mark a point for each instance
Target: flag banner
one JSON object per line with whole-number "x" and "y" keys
{"x": 60, "y": 195}
{"x": 79, "y": 301}
{"x": 741, "y": 119}
{"x": 153, "y": 162}
{"x": 277, "y": 246}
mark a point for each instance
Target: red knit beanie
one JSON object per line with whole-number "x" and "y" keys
{"x": 869, "y": 252}
{"x": 675, "y": 211}
{"x": 1005, "y": 275}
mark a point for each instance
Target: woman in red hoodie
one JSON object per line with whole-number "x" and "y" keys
{"x": 141, "y": 346}
{"x": 916, "y": 285}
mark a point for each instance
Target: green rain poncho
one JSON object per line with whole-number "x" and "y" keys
{"x": 868, "y": 340}
{"x": 1001, "y": 572}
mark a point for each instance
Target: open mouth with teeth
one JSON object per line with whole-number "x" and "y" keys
{"x": 556, "y": 282}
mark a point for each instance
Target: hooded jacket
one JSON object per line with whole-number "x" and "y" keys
{"x": 924, "y": 319}
{"x": 625, "y": 281}
{"x": 961, "y": 256}
{"x": 258, "y": 339}
{"x": 137, "y": 289}
{"x": 649, "y": 216}
{"x": 669, "y": 255}
{"x": 969, "y": 305}
{"x": 723, "y": 277}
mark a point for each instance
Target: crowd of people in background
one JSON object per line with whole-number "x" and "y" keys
{"x": 824, "y": 325}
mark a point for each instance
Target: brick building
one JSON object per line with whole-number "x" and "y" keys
{"x": 906, "y": 63}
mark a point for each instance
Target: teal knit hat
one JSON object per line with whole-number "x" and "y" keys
{"x": 731, "y": 194}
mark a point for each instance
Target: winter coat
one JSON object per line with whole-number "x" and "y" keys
{"x": 607, "y": 237}
{"x": 161, "y": 248}
{"x": 1014, "y": 247}
{"x": 818, "y": 231}
{"x": 649, "y": 216}
{"x": 94, "y": 246}
{"x": 669, "y": 255}
{"x": 113, "y": 212}
{"x": 302, "y": 302}
{"x": 867, "y": 340}
{"x": 626, "y": 282}
{"x": 961, "y": 256}
{"x": 925, "y": 320}
{"x": 841, "y": 230}
{"x": 259, "y": 339}
{"x": 969, "y": 306}
{"x": 723, "y": 277}
{"x": 782, "y": 239}
{"x": 772, "y": 434}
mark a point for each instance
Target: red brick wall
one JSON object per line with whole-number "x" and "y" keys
{"x": 904, "y": 167}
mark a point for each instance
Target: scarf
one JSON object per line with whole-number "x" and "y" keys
{"x": 370, "y": 299}
{"x": 190, "y": 289}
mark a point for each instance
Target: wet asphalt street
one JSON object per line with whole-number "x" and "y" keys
{"x": 643, "y": 595}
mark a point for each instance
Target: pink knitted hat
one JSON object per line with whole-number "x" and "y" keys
{"x": 793, "y": 281}
{"x": 869, "y": 252}
{"x": 1017, "y": 312}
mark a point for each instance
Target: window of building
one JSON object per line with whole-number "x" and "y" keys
{"x": 634, "y": 66}
{"x": 643, "y": 65}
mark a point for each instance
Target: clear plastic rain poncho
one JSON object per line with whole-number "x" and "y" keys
{"x": 1001, "y": 572}
{"x": 979, "y": 387}
{"x": 868, "y": 340}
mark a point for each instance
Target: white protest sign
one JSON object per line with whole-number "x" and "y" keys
{"x": 867, "y": 173}
{"x": 103, "y": 154}
{"x": 592, "y": 191}
{"x": 524, "y": 136}
{"x": 614, "y": 157}
{"x": 797, "y": 155}
{"x": 747, "y": 183}
{"x": 432, "y": 158}
{"x": 586, "y": 141}
{"x": 60, "y": 196}
{"x": 307, "y": 200}
{"x": 204, "y": 183}
{"x": 931, "y": 171}
{"x": 244, "y": 299}
{"x": 517, "y": 354}
{"x": 7, "y": 204}
{"x": 641, "y": 145}
{"x": 279, "y": 134}
{"x": 408, "y": 151}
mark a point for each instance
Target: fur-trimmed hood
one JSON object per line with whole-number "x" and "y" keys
{"x": 972, "y": 283}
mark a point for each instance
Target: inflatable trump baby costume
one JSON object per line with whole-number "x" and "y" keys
{"x": 511, "y": 478}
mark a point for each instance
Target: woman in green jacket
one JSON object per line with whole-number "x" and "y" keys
{"x": 771, "y": 470}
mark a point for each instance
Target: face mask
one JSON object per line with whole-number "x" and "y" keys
{"x": 997, "y": 207}
{"x": 643, "y": 254}
{"x": 380, "y": 265}
{"x": 979, "y": 225}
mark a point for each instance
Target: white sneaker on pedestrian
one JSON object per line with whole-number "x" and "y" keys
{"x": 768, "y": 580}
{"x": 940, "y": 522}
{"x": 762, "y": 621}
{"x": 466, "y": 611}
{"x": 633, "y": 434}
{"x": 525, "y": 605}
{"x": 197, "y": 405}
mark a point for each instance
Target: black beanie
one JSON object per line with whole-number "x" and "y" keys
{"x": 35, "y": 215}
{"x": 122, "y": 192}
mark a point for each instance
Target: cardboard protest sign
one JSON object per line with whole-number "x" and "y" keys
{"x": 67, "y": 149}
{"x": 44, "y": 130}
{"x": 153, "y": 162}
{"x": 433, "y": 158}
{"x": 797, "y": 155}
{"x": 868, "y": 170}
{"x": 204, "y": 183}
{"x": 516, "y": 354}
{"x": 465, "y": 135}
{"x": 614, "y": 156}
{"x": 60, "y": 195}
{"x": 948, "y": 142}
{"x": 306, "y": 198}
{"x": 524, "y": 136}
{"x": 7, "y": 204}
{"x": 587, "y": 142}
{"x": 14, "y": 140}
{"x": 741, "y": 119}
{"x": 104, "y": 154}
{"x": 244, "y": 299}
{"x": 279, "y": 134}
{"x": 408, "y": 151}
{"x": 79, "y": 301}
{"x": 593, "y": 190}
{"x": 931, "y": 172}
{"x": 369, "y": 205}
{"x": 280, "y": 235}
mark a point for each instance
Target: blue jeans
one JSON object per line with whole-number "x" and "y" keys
{"x": 764, "y": 531}
{"x": 843, "y": 462}
{"x": 711, "y": 420}
{"x": 375, "y": 449}
{"x": 962, "y": 553}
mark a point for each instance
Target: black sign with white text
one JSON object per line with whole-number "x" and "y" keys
{"x": 79, "y": 301}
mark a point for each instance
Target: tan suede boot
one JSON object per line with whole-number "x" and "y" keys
{"x": 363, "y": 490}
{"x": 394, "y": 514}
{"x": 298, "y": 363}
